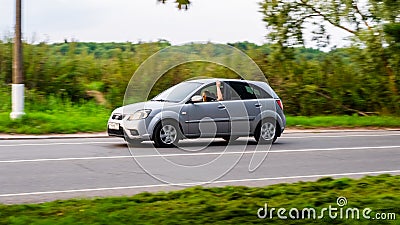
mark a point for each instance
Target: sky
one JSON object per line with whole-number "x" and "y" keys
{"x": 219, "y": 21}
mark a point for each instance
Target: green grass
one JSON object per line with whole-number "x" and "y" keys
{"x": 343, "y": 121}
{"x": 227, "y": 205}
{"x": 63, "y": 119}
{"x": 53, "y": 114}
{"x": 92, "y": 118}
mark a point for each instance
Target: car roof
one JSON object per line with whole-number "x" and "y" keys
{"x": 211, "y": 80}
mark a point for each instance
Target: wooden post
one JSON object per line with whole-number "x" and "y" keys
{"x": 18, "y": 78}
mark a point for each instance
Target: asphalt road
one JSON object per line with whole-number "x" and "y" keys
{"x": 49, "y": 169}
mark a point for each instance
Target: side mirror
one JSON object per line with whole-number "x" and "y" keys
{"x": 196, "y": 98}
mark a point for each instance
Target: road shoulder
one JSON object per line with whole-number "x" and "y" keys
{"x": 104, "y": 134}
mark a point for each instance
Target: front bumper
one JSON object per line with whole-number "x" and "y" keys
{"x": 134, "y": 130}
{"x": 116, "y": 133}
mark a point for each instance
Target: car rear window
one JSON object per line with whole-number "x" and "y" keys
{"x": 243, "y": 90}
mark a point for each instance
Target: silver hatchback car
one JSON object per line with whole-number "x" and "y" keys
{"x": 223, "y": 108}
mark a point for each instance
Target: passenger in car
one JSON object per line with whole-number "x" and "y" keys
{"x": 219, "y": 92}
{"x": 210, "y": 97}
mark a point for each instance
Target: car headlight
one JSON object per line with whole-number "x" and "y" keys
{"x": 141, "y": 114}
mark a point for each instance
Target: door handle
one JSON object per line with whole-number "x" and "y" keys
{"x": 258, "y": 105}
{"x": 221, "y": 107}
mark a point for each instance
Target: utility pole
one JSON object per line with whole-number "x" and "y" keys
{"x": 17, "y": 92}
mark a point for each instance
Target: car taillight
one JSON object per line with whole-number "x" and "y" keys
{"x": 279, "y": 103}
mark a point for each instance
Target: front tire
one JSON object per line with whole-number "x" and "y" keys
{"x": 266, "y": 131}
{"x": 166, "y": 134}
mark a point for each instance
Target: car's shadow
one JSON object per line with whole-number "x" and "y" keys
{"x": 122, "y": 145}
{"x": 195, "y": 143}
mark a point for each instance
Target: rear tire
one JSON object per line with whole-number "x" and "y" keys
{"x": 266, "y": 131}
{"x": 166, "y": 134}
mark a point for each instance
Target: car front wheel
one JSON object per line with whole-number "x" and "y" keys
{"x": 266, "y": 132}
{"x": 166, "y": 134}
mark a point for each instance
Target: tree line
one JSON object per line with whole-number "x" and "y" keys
{"x": 310, "y": 82}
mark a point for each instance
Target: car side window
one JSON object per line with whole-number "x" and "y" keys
{"x": 209, "y": 92}
{"x": 240, "y": 91}
{"x": 259, "y": 92}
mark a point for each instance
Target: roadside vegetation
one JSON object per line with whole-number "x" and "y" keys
{"x": 353, "y": 121}
{"x": 226, "y": 205}
{"x": 57, "y": 114}
{"x": 90, "y": 118}
{"x": 309, "y": 81}
{"x": 77, "y": 118}
{"x": 73, "y": 86}
{"x": 53, "y": 114}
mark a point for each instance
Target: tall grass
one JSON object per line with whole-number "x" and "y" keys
{"x": 57, "y": 114}
{"x": 53, "y": 114}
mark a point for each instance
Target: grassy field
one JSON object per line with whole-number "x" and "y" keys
{"x": 52, "y": 114}
{"x": 227, "y": 205}
{"x": 57, "y": 117}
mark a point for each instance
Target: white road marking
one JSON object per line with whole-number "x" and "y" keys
{"x": 283, "y": 137}
{"x": 198, "y": 183}
{"x": 199, "y": 154}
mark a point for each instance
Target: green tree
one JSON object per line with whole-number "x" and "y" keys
{"x": 372, "y": 24}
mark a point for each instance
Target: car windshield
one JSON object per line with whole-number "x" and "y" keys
{"x": 178, "y": 92}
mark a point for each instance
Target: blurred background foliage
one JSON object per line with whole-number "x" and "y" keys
{"x": 310, "y": 82}
{"x": 360, "y": 79}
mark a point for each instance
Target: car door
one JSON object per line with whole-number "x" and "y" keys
{"x": 242, "y": 105}
{"x": 206, "y": 119}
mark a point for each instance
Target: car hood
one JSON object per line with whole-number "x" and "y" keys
{"x": 153, "y": 105}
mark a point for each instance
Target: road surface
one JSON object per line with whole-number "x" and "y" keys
{"x": 48, "y": 169}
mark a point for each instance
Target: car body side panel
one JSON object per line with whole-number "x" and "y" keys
{"x": 240, "y": 120}
{"x": 206, "y": 118}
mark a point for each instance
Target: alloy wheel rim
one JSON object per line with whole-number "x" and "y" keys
{"x": 168, "y": 134}
{"x": 267, "y": 131}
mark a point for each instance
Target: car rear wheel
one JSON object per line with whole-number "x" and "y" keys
{"x": 166, "y": 134}
{"x": 266, "y": 131}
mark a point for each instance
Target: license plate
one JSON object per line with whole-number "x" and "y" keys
{"x": 113, "y": 126}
